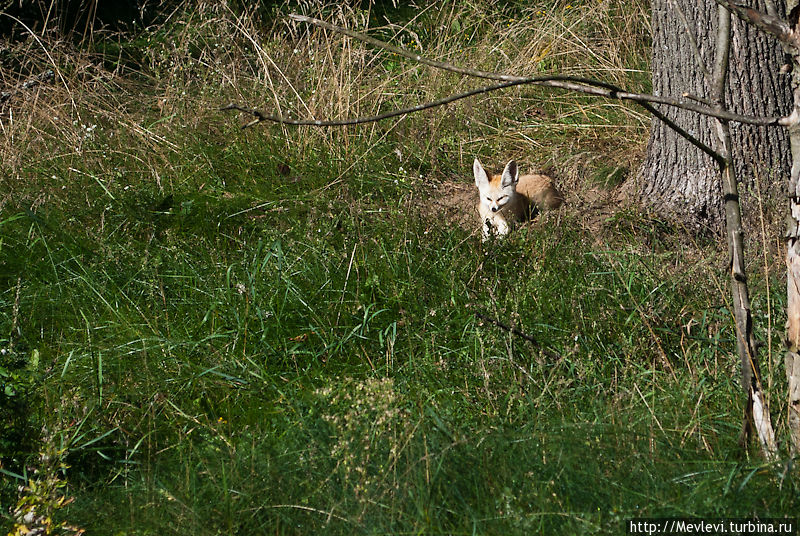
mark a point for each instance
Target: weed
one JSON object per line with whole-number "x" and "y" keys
{"x": 270, "y": 330}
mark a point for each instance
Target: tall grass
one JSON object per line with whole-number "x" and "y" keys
{"x": 208, "y": 330}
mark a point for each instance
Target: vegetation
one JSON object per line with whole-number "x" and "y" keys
{"x": 208, "y": 330}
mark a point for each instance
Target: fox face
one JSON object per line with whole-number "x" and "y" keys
{"x": 508, "y": 198}
{"x": 497, "y": 192}
{"x": 499, "y": 201}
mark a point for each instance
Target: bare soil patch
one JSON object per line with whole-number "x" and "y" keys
{"x": 454, "y": 201}
{"x": 451, "y": 201}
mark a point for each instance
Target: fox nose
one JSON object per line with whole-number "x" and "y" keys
{"x": 494, "y": 209}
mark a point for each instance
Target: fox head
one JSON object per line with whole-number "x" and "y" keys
{"x": 498, "y": 190}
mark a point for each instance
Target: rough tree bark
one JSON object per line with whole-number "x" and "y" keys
{"x": 678, "y": 181}
{"x": 792, "y": 357}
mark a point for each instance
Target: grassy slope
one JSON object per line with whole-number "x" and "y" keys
{"x": 263, "y": 331}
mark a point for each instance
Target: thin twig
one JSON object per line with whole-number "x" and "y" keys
{"x": 768, "y": 23}
{"x": 756, "y": 410}
{"x": 610, "y": 92}
{"x": 518, "y": 333}
{"x": 405, "y": 53}
{"x": 697, "y": 99}
{"x": 583, "y": 85}
{"x": 361, "y": 120}
{"x": 315, "y": 510}
{"x": 720, "y": 73}
{"x": 682, "y": 132}
{"x": 614, "y": 92}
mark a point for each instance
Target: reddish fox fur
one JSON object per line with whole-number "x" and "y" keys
{"x": 508, "y": 198}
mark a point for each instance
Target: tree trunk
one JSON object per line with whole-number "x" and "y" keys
{"x": 678, "y": 181}
{"x": 792, "y": 340}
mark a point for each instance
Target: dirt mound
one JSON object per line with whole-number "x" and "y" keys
{"x": 455, "y": 202}
{"x": 597, "y": 207}
{"x": 452, "y": 202}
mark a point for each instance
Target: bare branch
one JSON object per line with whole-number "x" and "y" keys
{"x": 768, "y": 23}
{"x": 402, "y": 52}
{"x": 682, "y": 132}
{"x": 720, "y": 74}
{"x": 696, "y": 99}
{"x": 756, "y": 413}
{"x": 517, "y": 332}
{"x": 259, "y": 116}
{"x": 582, "y": 85}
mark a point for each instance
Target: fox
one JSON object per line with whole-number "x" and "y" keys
{"x": 508, "y": 198}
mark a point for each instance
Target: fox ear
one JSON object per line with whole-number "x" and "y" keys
{"x": 481, "y": 178}
{"x": 510, "y": 174}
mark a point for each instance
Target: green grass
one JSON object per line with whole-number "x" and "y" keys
{"x": 266, "y": 331}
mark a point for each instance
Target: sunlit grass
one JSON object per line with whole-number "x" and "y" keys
{"x": 270, "y": 331}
